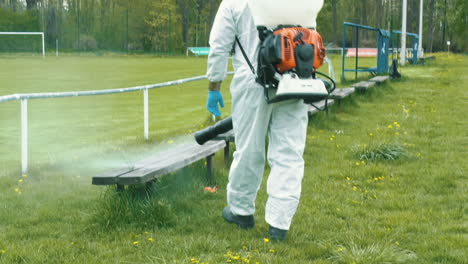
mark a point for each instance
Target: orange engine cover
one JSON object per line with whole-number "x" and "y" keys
{"x": 288, "y": 44}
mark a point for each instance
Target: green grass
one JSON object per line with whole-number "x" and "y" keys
{"x": 353, "y": 209}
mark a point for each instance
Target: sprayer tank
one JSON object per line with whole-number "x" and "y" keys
{"x": 271, "y": 13}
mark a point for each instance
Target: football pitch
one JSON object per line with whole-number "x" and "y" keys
{"x": 385, "y": 178}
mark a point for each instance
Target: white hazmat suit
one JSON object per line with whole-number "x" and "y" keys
{"x": 285, "y": 123}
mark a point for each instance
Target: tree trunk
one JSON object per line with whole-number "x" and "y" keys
{"x": 444, "y": 27}
{"x": 184, "y": 10}
{"x": 430, "y": 28}
{"x": 335, "y": 23}
{"x": 31, "y": 4}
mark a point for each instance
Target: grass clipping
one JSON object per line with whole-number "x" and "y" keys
{"x": 381, "y": 152}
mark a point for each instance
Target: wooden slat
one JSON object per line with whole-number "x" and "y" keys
{"x": 379, "y": 79}
{"x": 319, "y": 104}
{"x": 190, "y": 154}
{"x": 362, "y": 86}
{"x": 110, "y": 177}
{"x": 341, "y": 93}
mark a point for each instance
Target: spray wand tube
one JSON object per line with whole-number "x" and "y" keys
{"x": 213, "y": 131}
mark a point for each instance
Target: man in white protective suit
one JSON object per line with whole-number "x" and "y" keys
{"x": 285, "y": 124}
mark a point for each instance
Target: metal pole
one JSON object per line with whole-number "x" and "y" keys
{"x": 420, "y": 49}
{"x": 357, "y": 51}
{"x": 145, "y": 114}
{"x": 343, "y": 50}
{"x": 24, "y": 136}
{"x": 403, "y": 35}
{"x": 43, "y": 46}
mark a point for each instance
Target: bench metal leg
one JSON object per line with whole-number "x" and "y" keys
{"x": 226, "y": 155}
{"x": 209, "y": 166}
{"x": 120, "y": 188}
{"x": 149, "y": 186}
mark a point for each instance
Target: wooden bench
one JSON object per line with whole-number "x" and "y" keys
{"x": 363, "y": 86}
{"x": 379, "y": 79}
{"x": 147, "y": 171}
{"x": 341, "y": 93}
{"x": 320, "y": 105}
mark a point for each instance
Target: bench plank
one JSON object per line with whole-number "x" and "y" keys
{"x": 319, "y": 104}
{"x": 379, "y": 79}
{"x": 341, "y": 93}
{"x": 363, "y": 86}
{"x": 109, "y": 177}
{"x": 184, "y": 156}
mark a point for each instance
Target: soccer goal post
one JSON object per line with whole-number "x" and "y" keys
{"x": 28, "y": 33}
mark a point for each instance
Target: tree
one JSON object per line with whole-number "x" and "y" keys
{"x": 31, "y": 4}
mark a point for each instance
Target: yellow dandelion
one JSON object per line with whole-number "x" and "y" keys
{"x": 194, "y": 260}
{"x": 272, "y": 250}
{"x": 151, "y": 239}
{"x": 339, "y": 249}
{"x": 236, "y": 257}
{"x": 355, "y": 188}
{"x": 21, "y": 181}
{"x": 266, "y": 240}
{"x": 397, "y": 243}
{"x": 395, "y": 123}
{"x": 363, "y": 162}
{"x": 348, "y": 178}
{"x": 357, "y": 163}
{"x": 245, "y": 260}
{"x": 331, "y": 139}
{"x": 371, "y": 134}
{"x": 17, "y": 190}
{"x": 228, "y": 261}
{"x": 2, "y": 251}
{"x": 397, "y": 134}
{"x": 136, "y": 242}
{"x": 146, "y": 232}
{"x": 390, "y": 126}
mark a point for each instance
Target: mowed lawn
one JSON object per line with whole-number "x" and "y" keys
{"x": 385, "y": 178}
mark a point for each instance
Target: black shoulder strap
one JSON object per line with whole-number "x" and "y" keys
{"x": 245, "y": 55}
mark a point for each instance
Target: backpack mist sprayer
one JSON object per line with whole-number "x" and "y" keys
{"x": 290, "y": 52}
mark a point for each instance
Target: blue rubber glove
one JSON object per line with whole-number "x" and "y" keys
{"x": 214, "y": 97}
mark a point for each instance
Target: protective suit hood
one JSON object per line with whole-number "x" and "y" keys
{"x": 271, "y": 13}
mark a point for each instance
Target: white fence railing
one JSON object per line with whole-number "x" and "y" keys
{"x": 25, "y": 97}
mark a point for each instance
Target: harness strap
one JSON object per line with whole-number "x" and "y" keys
{"x": 245, "y": 55}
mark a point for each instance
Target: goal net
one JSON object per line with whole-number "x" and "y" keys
{"x": 22, "y": 42}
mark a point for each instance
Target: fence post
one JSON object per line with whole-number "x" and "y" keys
{"x": 43, "y": 45}
{"x": 24, "y": 136}
{"x": 145, "y": 113}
